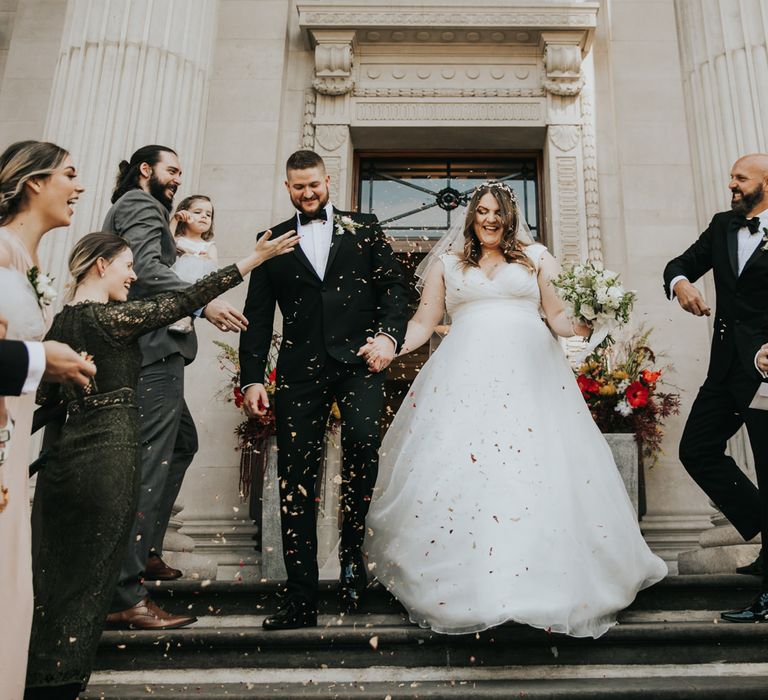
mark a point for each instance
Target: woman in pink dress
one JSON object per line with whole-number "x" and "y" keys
{"x": 39, "y": 187}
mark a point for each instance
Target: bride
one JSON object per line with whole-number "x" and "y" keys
{"x": 497, "y": 497}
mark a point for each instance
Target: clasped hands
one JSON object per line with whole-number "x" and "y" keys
{"x": 761, "y": 359}
{"x": 378, "y": 352}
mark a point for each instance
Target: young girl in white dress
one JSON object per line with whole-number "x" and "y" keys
{"x": 194, "y": 243}
{"x": 497, "y": 497}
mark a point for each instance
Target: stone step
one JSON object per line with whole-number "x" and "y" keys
{"x": 699, "y": 682}
{"x": 710, "y": 592}
{"x": 364, "y": 644}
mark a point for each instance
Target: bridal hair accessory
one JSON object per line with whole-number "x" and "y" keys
{"x": 497, "y": 184}
{"x": 452, "y": 240}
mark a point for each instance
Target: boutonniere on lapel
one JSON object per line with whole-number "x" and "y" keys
{"x": 342, "y": 224}
{"x": 764, "y": 247}
{"x": 43, "y": 286}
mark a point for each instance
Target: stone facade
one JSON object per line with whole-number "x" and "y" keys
{"x": 236, "y": 85}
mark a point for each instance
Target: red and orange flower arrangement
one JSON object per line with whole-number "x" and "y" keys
{"x": 621, "y": 387}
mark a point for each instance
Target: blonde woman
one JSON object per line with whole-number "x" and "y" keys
{"x": 86, "y": 494}
{"x": 39, "y": 187}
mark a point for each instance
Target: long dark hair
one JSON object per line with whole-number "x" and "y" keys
{"x": 185, "y": 205}
{"x": 511, "y": 247}
{"x": 19, "y": 163}
{"x": 128, "y": 171}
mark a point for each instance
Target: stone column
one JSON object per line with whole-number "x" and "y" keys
{"x": 333, "y": 83}
{"x": 563, "y": 153}
{"x": 724, "y": 60}
{"x": 129, "y": 73}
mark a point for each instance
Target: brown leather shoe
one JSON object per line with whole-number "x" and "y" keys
{"x": 157, "y": 570}
{"x": 145, "y": 615}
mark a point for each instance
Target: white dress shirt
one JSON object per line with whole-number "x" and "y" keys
{"x": 36, "y": 366}
{"x": 316, "y": 240}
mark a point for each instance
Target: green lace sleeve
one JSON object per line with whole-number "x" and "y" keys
{"x": 130, "y": 319}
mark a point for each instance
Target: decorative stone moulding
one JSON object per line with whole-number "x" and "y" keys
{"x": 380, "y": 14}
{"x": 563, "y": 69}
{"x": 334, "y": 55}
{"x": 564, "y": 136}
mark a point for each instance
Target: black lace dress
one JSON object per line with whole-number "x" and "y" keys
{"x": 85, "y": 499}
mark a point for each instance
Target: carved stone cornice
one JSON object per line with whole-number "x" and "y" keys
{"x": 334, "y": 54}
{"x": 381, "y": 14}
{"x": 563, "y": 52}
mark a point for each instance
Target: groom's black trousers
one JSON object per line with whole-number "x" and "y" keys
{"x": 301, "y": 411}
{"x": 720, "y": 409}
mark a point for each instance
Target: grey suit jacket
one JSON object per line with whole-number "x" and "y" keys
{"x": 139, "y": 218}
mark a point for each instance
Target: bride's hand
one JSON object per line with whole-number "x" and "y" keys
{"x": 581, "y": 327}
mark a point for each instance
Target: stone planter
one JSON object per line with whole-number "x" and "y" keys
{"x": 626, "y": 455}
{"x": 272, "y": 566}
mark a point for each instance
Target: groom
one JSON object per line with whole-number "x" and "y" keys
{"x": 734, "y": 247}
{"x": 341, "y": 287}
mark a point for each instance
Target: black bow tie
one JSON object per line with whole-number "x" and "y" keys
{"x": 320, "y": 215}
{"x": 739, "y": 222}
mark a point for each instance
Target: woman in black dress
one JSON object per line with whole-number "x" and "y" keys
{"x": 85, "y": 499}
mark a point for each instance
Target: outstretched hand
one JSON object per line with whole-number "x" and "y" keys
{"x": 377, "y": 352}
{"x": 267, "y": 248}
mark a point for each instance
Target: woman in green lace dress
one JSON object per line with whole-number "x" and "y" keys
{"x": 85, "y": 498}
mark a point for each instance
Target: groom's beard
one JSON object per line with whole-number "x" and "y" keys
{"x": 748, "y": 200}
{"x": 316, "y": 204}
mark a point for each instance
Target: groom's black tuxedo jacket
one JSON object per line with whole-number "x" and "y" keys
{"x": 361, "y": 293}
{"x": 14, "y": 359}
{"x": 741, "y": 313}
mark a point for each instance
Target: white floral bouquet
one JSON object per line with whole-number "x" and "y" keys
{"x": 597, "y": 297}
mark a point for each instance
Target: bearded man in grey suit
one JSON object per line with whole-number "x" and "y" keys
{"x": 141, "y": 206}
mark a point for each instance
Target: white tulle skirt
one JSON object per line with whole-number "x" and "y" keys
{"x": 193, "y": 267}
{"x": 498, "y": 498}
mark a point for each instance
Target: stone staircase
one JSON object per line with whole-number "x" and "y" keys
{"x": 669, "y": 644}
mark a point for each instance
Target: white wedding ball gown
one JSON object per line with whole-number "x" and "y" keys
{"x": 498, "y": 498}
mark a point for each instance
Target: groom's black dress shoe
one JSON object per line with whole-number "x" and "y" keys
{"x": 293, "y": 614}
{"x": 753, "y": 569}
{"x": 757, "y": 612}
{"x": 352, "y": 582}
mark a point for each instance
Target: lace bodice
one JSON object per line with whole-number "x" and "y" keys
{"x": 511, "y": 282}
{"x": 110, "y": 332}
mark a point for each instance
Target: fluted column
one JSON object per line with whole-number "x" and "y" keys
{"x": 129, "y": 73}
{"x": 724, "y": 61}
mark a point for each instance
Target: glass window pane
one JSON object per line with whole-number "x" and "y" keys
{"x": 412, "y": 197}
